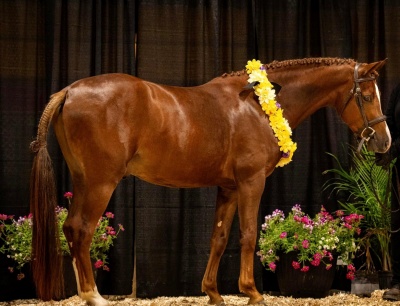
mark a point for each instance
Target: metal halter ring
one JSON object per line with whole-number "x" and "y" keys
{"x": 366, "y": 134}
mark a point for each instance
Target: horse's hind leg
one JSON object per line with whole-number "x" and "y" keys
{"x": 87, "y": 207}
{"x": 225, "y": 211}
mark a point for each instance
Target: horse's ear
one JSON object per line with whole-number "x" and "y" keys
{"x": 277, "y": 87}
{"x": 370, "y": 68}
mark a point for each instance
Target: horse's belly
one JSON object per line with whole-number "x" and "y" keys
{"x": 178, "y": 172}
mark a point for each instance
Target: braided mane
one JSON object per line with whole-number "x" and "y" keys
{"x": 327, "y": 61}
{"x": 309, "y": 61}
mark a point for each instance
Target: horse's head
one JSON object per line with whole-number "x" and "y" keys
{"x": 362, "y": 110}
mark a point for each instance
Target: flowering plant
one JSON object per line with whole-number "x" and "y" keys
{"x": 263, "y": 88}
{"x": 16, "y": 236}
{"x": 317, "y": 241}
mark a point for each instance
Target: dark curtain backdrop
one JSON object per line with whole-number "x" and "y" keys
{"x": 46, "y": 45}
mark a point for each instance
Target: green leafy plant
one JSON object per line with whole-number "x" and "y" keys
{"x": 16, "y": 237}
{"x": 317, "y": 241}
{"x": 367, "y": 190}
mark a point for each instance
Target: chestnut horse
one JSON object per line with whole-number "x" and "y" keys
{"x": 114, "y": 125}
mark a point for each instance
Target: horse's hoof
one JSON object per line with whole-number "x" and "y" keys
{"x": 221, "y": 303}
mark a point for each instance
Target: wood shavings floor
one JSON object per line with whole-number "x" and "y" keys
{"x": 336, "y": 299}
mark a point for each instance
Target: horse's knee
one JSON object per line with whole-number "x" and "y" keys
{"x": 248, "y": 240}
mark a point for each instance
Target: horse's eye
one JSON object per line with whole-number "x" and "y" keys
{"x": 367, "y": 98}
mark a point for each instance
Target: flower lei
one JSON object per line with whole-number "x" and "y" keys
{"x": 266, "y": 96}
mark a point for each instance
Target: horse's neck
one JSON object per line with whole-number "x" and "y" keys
{"x": 304, "y": 91}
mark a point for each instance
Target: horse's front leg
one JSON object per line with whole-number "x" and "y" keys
{"x": 248, "y": 204}
{"x": 224, "y": 213}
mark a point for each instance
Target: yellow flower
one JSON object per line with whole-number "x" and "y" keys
{"x": 253, "y": 65}
{"x": 266, "y": 96}
{"x": 257, "y": 76}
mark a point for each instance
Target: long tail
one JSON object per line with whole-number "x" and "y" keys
{"x": 46, "y": 255}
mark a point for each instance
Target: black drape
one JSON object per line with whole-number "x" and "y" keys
{"x": 46, "y": 45}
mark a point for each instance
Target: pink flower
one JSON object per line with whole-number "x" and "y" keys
{"x": 315, "y": 262}
{"x": 272, "y": 266}
{"x": 351, "y": 268}
{"x": 340, "y": 213}
{"x": 305, "y": 269}
{"x": 348, "y": 225}
{"x": 305, "y": 244}
{"x": 3, "y": 217}
{"x": 109, "y": 215}
{"x": 110, "y": 230}
{"x": 295, "y": 265}
{"x": 317, "y": 256}
{"x": 283, "y": 235}
{"x": 68, "y": 195}
{"x": 106, "y": 268}
{"x": 306, "y": 220}
{"x": 98, "y": 264}
{"x": 121, "y": 227}
{"x": 350, "y": 275}
{"x": 297, "y": 218}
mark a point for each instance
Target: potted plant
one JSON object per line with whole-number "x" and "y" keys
{"x": 16, "y": 237}
{"x": 312, "y": 245}
{"x": 367, "y": 190}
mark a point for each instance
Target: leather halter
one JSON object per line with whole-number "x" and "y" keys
{"x": 367, "y": 132}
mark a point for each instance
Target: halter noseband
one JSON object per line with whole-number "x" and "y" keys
{"x": 367, "y": 132}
